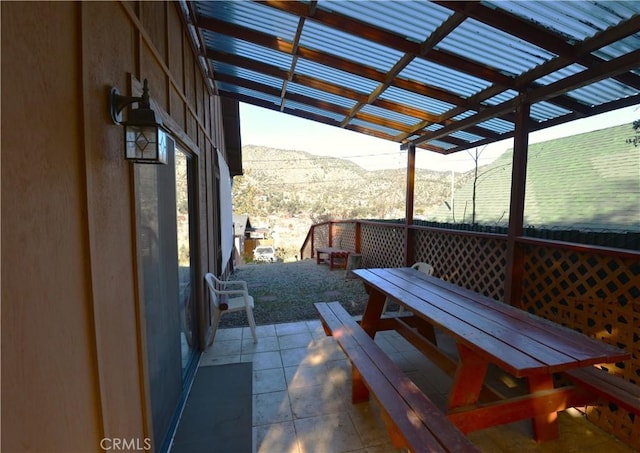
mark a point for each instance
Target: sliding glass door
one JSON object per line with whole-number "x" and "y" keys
{"x": 186, "y": 270}
{"x": 164, "y": 223}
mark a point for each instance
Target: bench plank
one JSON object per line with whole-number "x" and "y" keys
{"x": 610, "y": 387}
{"x": 404, "y": 418}
{"x": 406, "y": 406}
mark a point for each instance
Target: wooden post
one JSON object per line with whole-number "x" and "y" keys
{"x": 410, "y": 194}
{"x": 330, "y": 234}
{"x": 515, "y": 257}
{"x": 358, "y": 236}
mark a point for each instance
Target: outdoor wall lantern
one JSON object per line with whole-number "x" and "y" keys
{"x": 145, "y": 140}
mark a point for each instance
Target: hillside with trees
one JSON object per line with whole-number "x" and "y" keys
{"x": 588, "y": 182}
{"x": 287, "y": 191}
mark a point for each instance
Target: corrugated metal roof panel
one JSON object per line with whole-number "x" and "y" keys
{"x": 246, "y": 49}
{"x": 440, "y": 76}
{"x": 335, "y": 76}
{"x": 471, "y": 138}
{"x": 572, "y": 19}
{"x": 316, "y": 111}
{"x": 254, "y": 16}
{"x": 422, "y": 102}
{"x": 375, "y": 127}
{"x": 414, "y": 19}
{"x": 498, "y": 125}
{"x": 619, "y": 48}
{"x": 560, "y": 74}
{"x": 345, "y": 45}
{"x": 489, "y": 46}
{"x": 248, "y": 74}
{"x": 320, "y": 95}
{"x": 441, "y": 144}
{"x": 384, "y": 113}
{"x": 251, "y": 93}
{"x": 433, "y": 127}
{"x": 464, "y": 115}
{"x": 604, "y": 91}
{"x": 499, "y": 98}
{"x": 543, "y": 111}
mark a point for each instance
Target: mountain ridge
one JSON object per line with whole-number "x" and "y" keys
{"x": 279, "y": 182}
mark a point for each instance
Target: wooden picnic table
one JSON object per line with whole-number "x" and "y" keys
{"x": 487, "y": 332}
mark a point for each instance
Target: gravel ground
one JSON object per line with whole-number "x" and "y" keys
{"x": 285, "y": 292}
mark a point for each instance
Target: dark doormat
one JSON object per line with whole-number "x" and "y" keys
{"x": 217, "y": 416}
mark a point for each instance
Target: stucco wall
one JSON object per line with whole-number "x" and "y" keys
{"x": 73, "y": 348}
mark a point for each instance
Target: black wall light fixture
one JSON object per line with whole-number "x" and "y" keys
{"x": 145, "y": 139}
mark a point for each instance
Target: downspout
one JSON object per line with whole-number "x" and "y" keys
{"x": 514, "y": 271}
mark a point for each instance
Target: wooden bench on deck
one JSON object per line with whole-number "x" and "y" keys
{"x": 608, "y": 387}
{"x": 335, "y": 256}
{"x": 411, "y": 417}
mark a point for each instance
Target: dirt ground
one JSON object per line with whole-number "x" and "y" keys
{"x": 285, "y": 292}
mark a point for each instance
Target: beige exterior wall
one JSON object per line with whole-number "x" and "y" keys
{"x": 73, "y": 348}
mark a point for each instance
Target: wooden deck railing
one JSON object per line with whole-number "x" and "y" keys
{"x": 595, "y": 290}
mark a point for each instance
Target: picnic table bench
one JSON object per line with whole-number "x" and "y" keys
{"x": 608, "y": 387}
{"x": 336, "y": 257}
{"x": 413, "y": 421}
{"x": 488, "y": 332}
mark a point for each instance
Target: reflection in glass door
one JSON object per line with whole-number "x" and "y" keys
{"x": 186, "y": 271}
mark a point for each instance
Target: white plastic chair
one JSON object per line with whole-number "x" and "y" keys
{"x": 223, "y": 301}
{"x": 422, "y": 267}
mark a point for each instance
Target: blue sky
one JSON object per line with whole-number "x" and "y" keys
{"x": 272, "y": 129}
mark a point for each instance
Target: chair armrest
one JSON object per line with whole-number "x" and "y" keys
{"x": 240, "y": 283}
{"x": 239, "y": 292}
{"x": 233, "y": 291}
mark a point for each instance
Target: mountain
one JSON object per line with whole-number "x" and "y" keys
{"x": 287, "y": 191}
{"x": 290, "y": 183}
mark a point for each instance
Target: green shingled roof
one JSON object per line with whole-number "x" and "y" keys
{"x": 589, "y": 181}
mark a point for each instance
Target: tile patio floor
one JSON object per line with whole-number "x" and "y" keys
{"x": 302, "y": 400}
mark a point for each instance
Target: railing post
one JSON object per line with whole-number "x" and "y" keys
{"x": 313, "y": 239}
{"x": 410, "y": 250}
{"x": 515, "y": 254}
{"x": 331, "y": 233}
{"x": 358, "y": 236}
{"x": 410, "y": 194}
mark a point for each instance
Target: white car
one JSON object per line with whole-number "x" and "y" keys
{"x": 264, "y": 253}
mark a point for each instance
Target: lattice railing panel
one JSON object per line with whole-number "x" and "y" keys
{"x": 474, "y": 262}
{"x": 344, "y": 236}
{"x": 382, "y": 246}
{"x": 598, "y": 295}
{"x": 321, "y": 236}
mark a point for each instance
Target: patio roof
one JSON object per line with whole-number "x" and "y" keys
{"x": 444, "y": 76}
